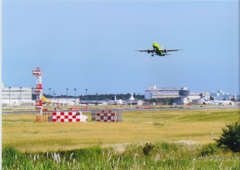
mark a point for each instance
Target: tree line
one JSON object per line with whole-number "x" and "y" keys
{"x": 111, "y": 96}
{"x": 165, "y": 101}
{"x": 102, "y": 96}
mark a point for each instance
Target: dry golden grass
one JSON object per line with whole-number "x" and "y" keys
{"x": 24, "y": 133}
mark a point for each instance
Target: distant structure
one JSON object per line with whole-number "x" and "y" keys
{"x": 220, "y": 95}
{"x": 182, "y": 95}
{"x": 16, "y": 96}
{"x": 165, "y": 92}
{"x": 131, "y": 98}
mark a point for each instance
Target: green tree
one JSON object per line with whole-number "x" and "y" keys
{"x": 230, "y": 137}
{"x": 148, "y": 148}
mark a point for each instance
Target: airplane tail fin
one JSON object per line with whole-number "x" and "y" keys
{"x": 204, "y": 98}
{"x": 44, "y": 99}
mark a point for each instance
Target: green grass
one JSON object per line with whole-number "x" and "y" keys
{"x": 162, "y": 156}
{"x": 209, "y": 116}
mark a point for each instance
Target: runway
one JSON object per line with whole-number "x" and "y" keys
{"x": 126, "y": 109}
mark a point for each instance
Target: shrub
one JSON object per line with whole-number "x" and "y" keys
{"x": 165, "y": 146}
{"x": 210, "y": 149}
{"x": 230, "y": 137}
{"x": 9, "y": 152}
{"x": 85, "y": 153}
{"x": 147, "y": 148}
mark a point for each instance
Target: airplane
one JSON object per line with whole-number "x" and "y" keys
{"x": 56, "y": 101}
{"x": 217, "y": 102}
{"x": 158, "y": 51}
{"x": 118, "y": 102}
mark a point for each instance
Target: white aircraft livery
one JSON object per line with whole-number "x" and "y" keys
{"x": 217, "y": 102}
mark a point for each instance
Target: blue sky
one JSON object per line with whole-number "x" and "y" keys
{"x": 80, "y": 44}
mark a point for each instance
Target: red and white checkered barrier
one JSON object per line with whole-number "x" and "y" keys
{"x": 107, "y": 117}
{"x": 66, "y": 116}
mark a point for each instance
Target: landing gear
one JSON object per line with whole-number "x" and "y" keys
{"x": 152, "y": 55}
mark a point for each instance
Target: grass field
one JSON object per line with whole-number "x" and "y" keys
{"x": 26, "y": 135}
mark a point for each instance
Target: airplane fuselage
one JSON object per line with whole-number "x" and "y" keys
{"x": 157, "y": 49}
{"x": 217, "y": 102}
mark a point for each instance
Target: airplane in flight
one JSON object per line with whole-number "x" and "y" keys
{"x": 158, "y": 50}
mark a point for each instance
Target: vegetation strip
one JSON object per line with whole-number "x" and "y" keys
{"x": 134, "y": 156}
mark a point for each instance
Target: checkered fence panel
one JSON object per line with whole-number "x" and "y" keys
{"x": 65, "y": 117}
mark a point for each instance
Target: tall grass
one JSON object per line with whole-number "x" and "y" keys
{"x": 162, "y": 156}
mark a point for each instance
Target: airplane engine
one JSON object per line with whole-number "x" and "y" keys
{"x": 148, "y": 51}
{"x": 165, "y": 51}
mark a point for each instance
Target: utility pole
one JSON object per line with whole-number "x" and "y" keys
{"x": 20, "y": 95}
{"x": 86, "y": 93}
{"x": 9, "y": 96}
{"x": 75, "y": 95}
{"x": 67, "y": 95}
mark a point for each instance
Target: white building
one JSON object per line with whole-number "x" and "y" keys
{"x": 220, "y": 95}
{"x": 182, "y": 96}
{"x": 154, "y": 92}
{"x": 16, "y": 95}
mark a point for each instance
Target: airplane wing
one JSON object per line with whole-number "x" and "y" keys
{"x": 148, "y": 51}
{"x": 165, "y": 50}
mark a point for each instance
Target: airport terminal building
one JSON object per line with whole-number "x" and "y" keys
{"x": 25, "y": 95}
{"x": 17, "y": 93}
{"x": 181, "y": 96}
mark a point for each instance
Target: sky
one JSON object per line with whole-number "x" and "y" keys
{"x": 90, "y": 45}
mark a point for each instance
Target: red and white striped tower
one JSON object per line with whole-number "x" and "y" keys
{"x": 38, "y": 90}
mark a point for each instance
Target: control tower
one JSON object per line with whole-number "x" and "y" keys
{"x": 38, "y": 91}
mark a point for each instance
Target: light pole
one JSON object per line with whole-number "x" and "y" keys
{"x": 86, "y": 93}
{"x": 34, "y": 97}
{"x": 9, "y": 96}
{"x": 75, "y": 95}
{"x": 49, "y": 92}
{"x": 20, "y": 95}
{"x": 67, "y": 95}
